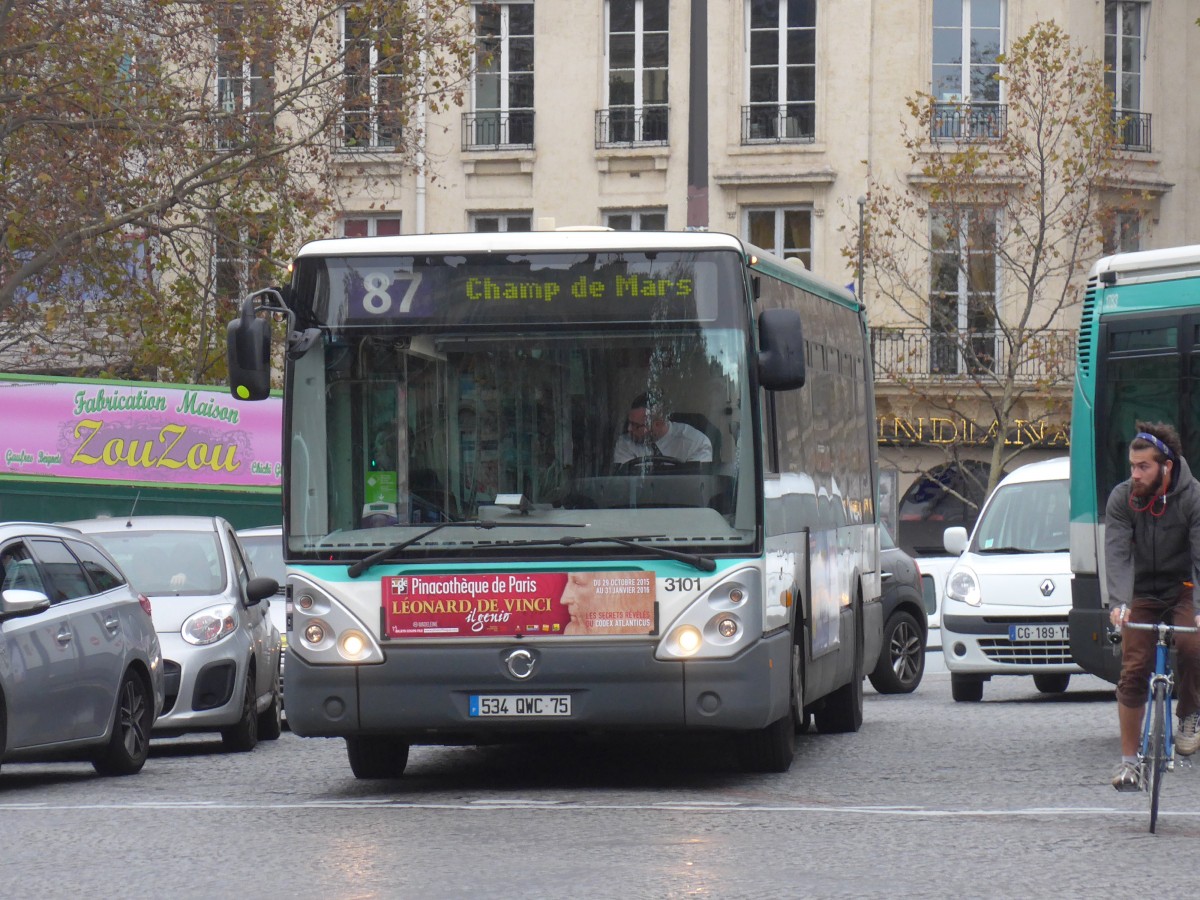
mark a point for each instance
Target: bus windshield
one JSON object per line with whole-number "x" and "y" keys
{"x": 566, "y": 395}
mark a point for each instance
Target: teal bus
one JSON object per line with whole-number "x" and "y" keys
{"x": 78, "y": 448}
{"x": 1138, "y": 360}
{"x": 570, "y": 482}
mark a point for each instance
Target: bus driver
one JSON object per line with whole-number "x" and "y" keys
{"x": 650, "y": 433}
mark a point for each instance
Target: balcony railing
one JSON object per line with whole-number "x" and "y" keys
{"x": 778, "y": 123}
{"x": 1133, "y": 130}
{"x": 631, "y": 125}
{"x": 922, "y": 354}
{"x": 495, "y": 130}
{"x": 969, "y": 121}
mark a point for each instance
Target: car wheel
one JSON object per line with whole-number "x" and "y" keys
{"x": 966, "y": 688}
{"x": 376, "y": 757}
{"x": 270, "y": 720}
{"x": 1052, "y": 683}
{"x": 902, "y": 662}
{"x": 129, "y": 744}
{"x": 244, "y": 735}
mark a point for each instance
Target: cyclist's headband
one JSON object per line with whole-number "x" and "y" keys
{"x": 1151, "y": 439}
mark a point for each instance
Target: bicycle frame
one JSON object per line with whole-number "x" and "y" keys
{"x": 1157, "y": 727}
{"x": 1162, "y": 674}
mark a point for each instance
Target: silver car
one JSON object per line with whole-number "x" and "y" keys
{"x": 81, "y": 674}
{"x": 264, "y": 549}
{"x": 221, "y": 651}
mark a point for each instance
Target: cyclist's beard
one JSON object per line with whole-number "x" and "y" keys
{"x": 1143, "y": 491}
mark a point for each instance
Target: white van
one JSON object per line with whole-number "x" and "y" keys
{"x": 1008, "y": 595}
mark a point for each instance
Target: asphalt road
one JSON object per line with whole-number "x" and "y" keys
{"x": 1004, "y": 798}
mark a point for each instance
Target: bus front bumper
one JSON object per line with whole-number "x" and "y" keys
{"x": 423, "y": 694}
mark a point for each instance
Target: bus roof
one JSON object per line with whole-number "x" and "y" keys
{"x": 1149, "y": 265}
{"x": 568, "y": 239}
{"x": 525, "y": 241}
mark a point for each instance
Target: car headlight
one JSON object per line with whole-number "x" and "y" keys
{"x": 210, "y": 625}
{"x": 963, "y": 585}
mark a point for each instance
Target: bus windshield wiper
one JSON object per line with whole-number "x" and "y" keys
{"x": 366, "y": 562}
{"x": 1013, "y": 550}
{"x": 704, "y": 563}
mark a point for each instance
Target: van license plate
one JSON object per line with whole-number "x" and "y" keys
{"x": 520, "y": 705}
{"x": 1037, "y": 632}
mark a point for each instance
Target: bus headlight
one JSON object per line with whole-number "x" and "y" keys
{"x": 353, "y": 645}
{"x": 719, "y": 623}
{"x": 687, "y": 640}
{"x": 324, "y": 630}
{"x": 962, "y": 585}
{"x": 314, "y": 633}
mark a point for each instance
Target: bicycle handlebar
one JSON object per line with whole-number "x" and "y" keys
{"x": 1162, "y": 628}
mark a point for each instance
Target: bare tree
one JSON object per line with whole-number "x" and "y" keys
{"x": 151, "y": 152}
{"x": 983, "y": 248}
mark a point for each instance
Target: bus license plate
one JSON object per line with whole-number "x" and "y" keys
{"x": 1037, "y": 632}
{"x": 520, "y": 705}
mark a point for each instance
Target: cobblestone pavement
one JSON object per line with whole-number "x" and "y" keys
{"x": 1004, "y": 798}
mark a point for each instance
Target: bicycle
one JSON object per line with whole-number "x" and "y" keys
{"x": 1157, "y": 752}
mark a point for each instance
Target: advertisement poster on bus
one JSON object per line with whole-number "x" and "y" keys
{"x": 526, "y": 603}
{"x": 138, "y": 432}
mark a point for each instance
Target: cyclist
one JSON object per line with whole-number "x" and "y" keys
{"x": 1151, "y": 548}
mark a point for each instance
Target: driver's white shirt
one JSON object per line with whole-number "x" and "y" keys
{"x": 681, "y": 442}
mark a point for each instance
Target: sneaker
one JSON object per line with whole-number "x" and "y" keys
{"x": 1187, "y": 739}
{"x": 1127, "y": 777}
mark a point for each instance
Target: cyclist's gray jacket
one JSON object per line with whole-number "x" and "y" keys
{"x": 1152, "y": 552}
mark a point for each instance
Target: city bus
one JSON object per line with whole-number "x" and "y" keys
{"x": 1138, "y": 360}
{"x": 484, "y": 539}
{"x": 77, "y": 448}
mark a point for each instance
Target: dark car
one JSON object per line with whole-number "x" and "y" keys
{"x": 906, "y": 628}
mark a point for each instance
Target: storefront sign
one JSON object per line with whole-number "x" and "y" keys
{"x": 941, "y": 431}
{"x": 130, "y": 432}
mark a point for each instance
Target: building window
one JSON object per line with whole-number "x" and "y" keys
{"x": 1123, "y": 47}
{"x": 1124, "y": 236}
{"x": 237, "y": 255}
{"x": 637, "y": 43}
{"x": 491, "y": 221}
{"x": 373, "y": 83}
{"x": 968, "y": 35}
{"x": 371, "y": 226}
{"x": 782, "y": 76}
{"x": 244, "y": 82}
{"x": 784, "y": 232}
{"x": 636, "y": 219}
{"x": 962, "y": 291}
{"x": 503, "y": 84}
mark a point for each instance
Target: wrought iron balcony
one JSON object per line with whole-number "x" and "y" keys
{"x": 496, "y": 130}
{"x": 764, "y": 123}
{"x": 1133, "y": 130}
{"x": 922, "y": 354}
{"x": 968, "y": 121}
{"x": 622, "y": 126}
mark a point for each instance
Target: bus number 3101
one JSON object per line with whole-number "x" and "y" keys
{"x": 681, "y": 584}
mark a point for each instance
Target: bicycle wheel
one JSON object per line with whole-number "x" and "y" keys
{"x": 1156, "y": 756}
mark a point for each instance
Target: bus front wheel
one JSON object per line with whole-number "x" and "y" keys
{"x": 376, "y": 757}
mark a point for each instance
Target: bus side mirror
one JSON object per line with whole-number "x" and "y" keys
{"x": 781, "y": 349}
{"x": 249, "y": 355}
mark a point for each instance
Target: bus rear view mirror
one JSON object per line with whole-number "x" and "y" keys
{"x": 249, "y": 355}
{"x": 781, "y": 349}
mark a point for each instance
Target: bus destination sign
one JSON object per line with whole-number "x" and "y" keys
{"x": 401, "y": 291}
